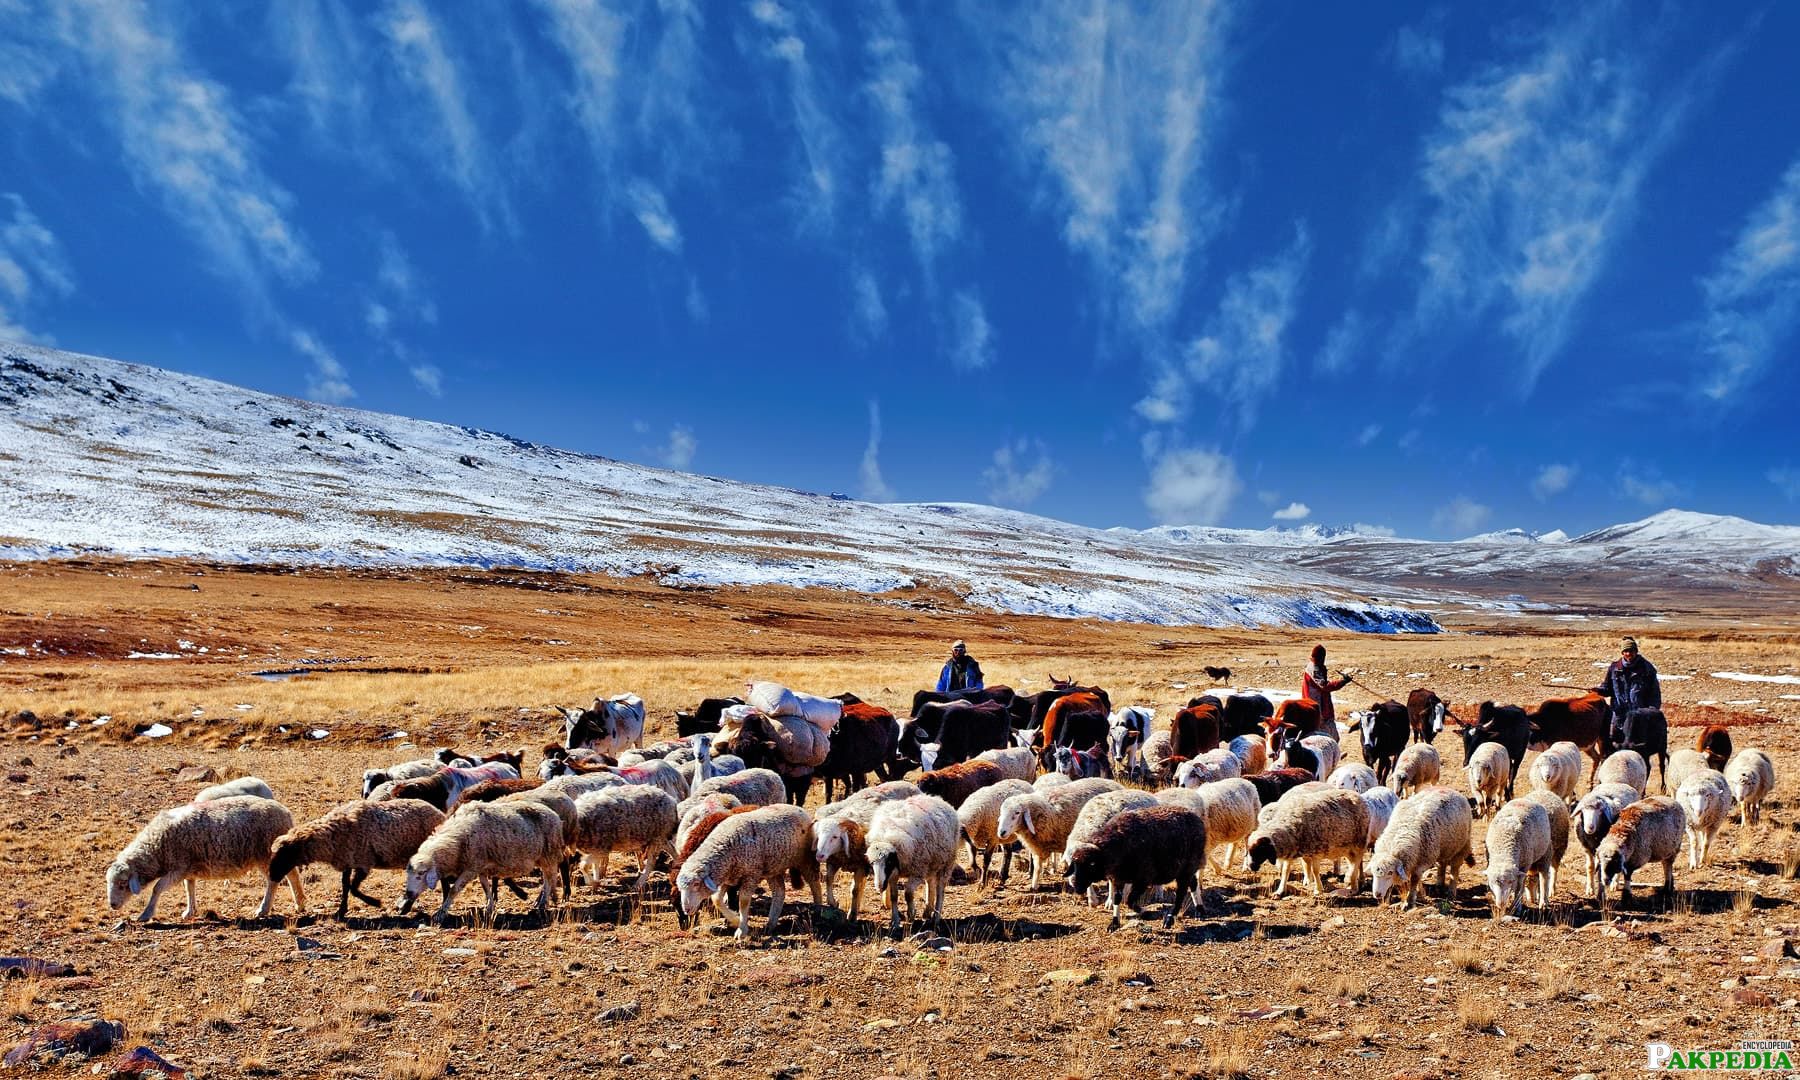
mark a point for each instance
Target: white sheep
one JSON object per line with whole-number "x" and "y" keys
{"x": 656, "y": 773}
{"x": 223, "y": 838}
{"x": 1560, "y": 821}
{"x": 355, "y": 838}
{"x": 1648, "y": 831}
{"x": 840, "y": 835}
{"x": 1325, "y": 750}
{"x": 243, "y": 785}
{"x": 1684, "y": 763}
{"x": 1316, "y": 828}
{"x": 1430, "y": 829}
{"x": 979, "y": 818}
{"x": 1489, "y": 772}
{"x": 753, "y": 787}
{"x": 1042, "y": 819}
{"x": 760, "y": 845}
{"x": 1218, "y": 763}
{"x": 1624, "y": 767}
{"x": 1051, "y": 779}
{"x": 1593, "y": 819}
{"x": 1229, "y": 808}
{"x": 1016, "y": 762}
{"x": 1752, "y": 777}
{"x": 1381, "y": 802}
{"x": 1251, "y": 752}
{"x": 1518, "y": 850}
{"x": 913, "y": 841}
{"x": 1096, "y": 812}
{"x": 489, "y": 841}
{"x": 1352, "y": 776}
{"x": 1558, "y": 769}
{"x": 1158, "y": 753}
{"x": 637, "y": 819}
{"x": 1417, "y": 768}
{"x": 575, "y": 785}
{"x": 1706, "y": 799}
{"x": 393, "y": 774}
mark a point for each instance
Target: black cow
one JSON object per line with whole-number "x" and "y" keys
{"x": 862, "y": 742}
{"x": 1647, "y": 732}
{"x": 1244, "y": 715}
{"x": 1002, "y": 694}
{"x": 1385, "y": 730}
{"x": 1082, "y": 730}
{"x": 705, "y": 718}
{"x": 969, "y": 730}
{"x": 1504, "y": 724}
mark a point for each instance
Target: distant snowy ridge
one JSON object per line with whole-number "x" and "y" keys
{"x": 102, "y": 456}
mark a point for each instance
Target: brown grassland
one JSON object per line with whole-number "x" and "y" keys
{"x": 1256, "y": 986}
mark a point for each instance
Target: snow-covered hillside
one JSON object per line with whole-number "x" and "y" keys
{"x": 102, "y": 456}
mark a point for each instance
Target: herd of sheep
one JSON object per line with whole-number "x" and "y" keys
{"x": 727, "y": 830}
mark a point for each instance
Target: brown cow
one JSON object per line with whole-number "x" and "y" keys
{"x": 1079, "y": 701}
{"x": 1582, "y": 721}
{"x": 1294, "y": 719}
{"x": 1425, "y": 714}
{"x": 1195, "y": 730}
{"x": 1715, "y": 743}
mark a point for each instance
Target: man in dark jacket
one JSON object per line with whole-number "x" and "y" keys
{"x": 960, "y": 673}
{"x": 1630, "y": 685}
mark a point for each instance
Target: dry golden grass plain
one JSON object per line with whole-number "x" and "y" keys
{"x": 477, "y": 659}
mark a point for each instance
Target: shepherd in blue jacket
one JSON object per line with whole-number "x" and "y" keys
{"x": 962, "y": 672}
{"x": 1631, "y": 684}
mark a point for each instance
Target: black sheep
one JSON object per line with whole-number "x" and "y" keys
{"x": 1141, "y": 849}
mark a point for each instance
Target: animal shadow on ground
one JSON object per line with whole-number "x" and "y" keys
{"x": 1230, "y": 929}
{"x": 830, "y": 925}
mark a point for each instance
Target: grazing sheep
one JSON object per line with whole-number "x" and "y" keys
{"x": 1684, "y": 763}
{"x": 489, "y": 841}
{"x": 1752, "y": 777}
{"x": 574, "y": 786}
{"x": 1558, "y": 769}
{"x": 1648, "y": 831}
{"x": 1218, "y": 763}
{"x": 1489, "y": 769}
{"x": 355, "y": 838}
{"x": 1353, "y": 777}
{"x": 1326, "y": 753}
{"x": 1706, "y": 799}
{"x": 655, "y": 773}
{"x": 758, "y": 787}
{"x": 1042, "y": 819}
{"x": 637, "y": 819}
{"x": 979, "y": 817}
{"x": 1430, "y": 829}
{"x": 1316, "y": 828}
{"x": 1624, "y": 767}
{"x": 1560, "y": 821}
{"x": 840, "y": 835}
{"x": 222, "y": 838}
{"x": 1097, "y": 811}
{"x": 1144, "y": 848}
{"x": 1016, "y": 763}
{"x": 1230, "y": 807}
{"x": 759, "y": 845}
{"x": 1252, "y": 754}
{"x": 1158, "y": 752}
{"x": 913, "y": 841}
{"x": 393, "y": 774}
{"x": 955, "y": 783}
{"x": 1381, "y": 802}
{"x": 1593, "y": 818}
{"x": 1045, "y": 781}
{"x": 243, "y": 785}
{"x": 695, "y": 809}
{"x": 1518, "y": 850}
{"x": 1417, "y": 768}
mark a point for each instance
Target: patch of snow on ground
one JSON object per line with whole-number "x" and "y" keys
{"x": 1673, "y": 678}
{"x": 1739, "y": 676}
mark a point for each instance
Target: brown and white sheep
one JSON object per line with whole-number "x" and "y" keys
{"x": 1648, "y": 831}
{"x": 355, "y": 838}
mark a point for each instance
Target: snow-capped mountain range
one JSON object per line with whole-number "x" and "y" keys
{"x": 102, "y": 456}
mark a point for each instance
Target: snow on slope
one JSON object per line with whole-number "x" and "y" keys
{"x": 97, "y": 455}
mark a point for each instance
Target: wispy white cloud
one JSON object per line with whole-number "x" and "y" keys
{"x": 1645, "y": 483}
{"x": 1460, "y": 516}
{"x": 1753, "y": 295}
{"x": 1338, "y": 354}
{"x": 1020, "y": 473}
{"x": 185, "y": 142}
{"x": 328, "y": 381}
{"x": 1192, "y": 487}
{"x": 320, "y": 41}
{"x": 1531, "y": 176}
{"x": 1243, "y": 349}
{"x": 399, "y": 280}
{"x": 871, "y": 486}
{"x": 1111, "y": 104}
{"x": 821, "y": 164}
{"x": 1786, "y": 479}
{"x": 652, "y": 212}
{"x": 678, "y": 452}
{"x": 1294, "y": 511}
{"x": 868, "y": 310}
{"x": 971, "y": 335}
{"x": 1418, "y": 50}
{"x": 916, "y": 176}
{"x": 33, "y": 269}
{"x": 698, "y": 310}
{"x": 428, "y": 378}
{"x": 1368, "y": 434}
{"x": 1553, "y": 480}
{"x": 423, "y": 58}
{"x": 1372, "y": 530}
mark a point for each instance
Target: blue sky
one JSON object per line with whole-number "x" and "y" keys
{"x": 1439, "y": 269}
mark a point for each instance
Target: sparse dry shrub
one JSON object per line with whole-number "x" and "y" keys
{"x": 1477, "y": 1011}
